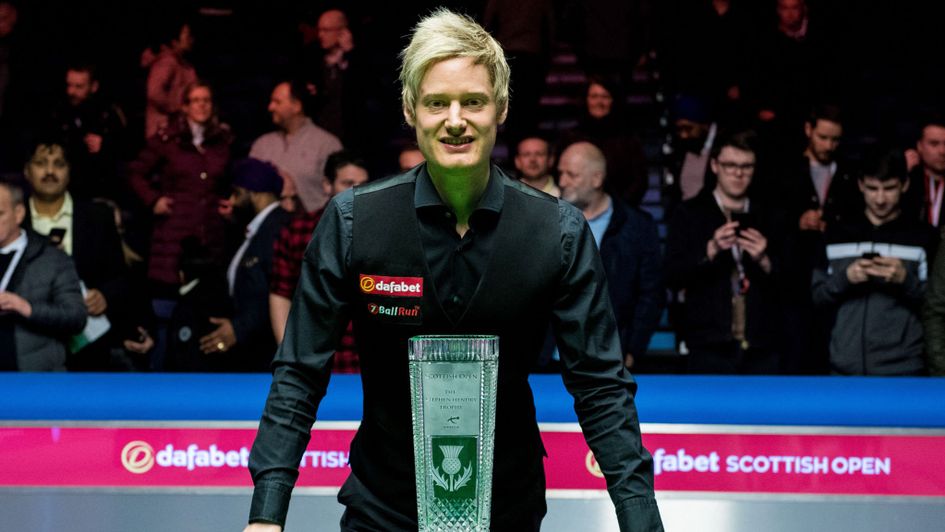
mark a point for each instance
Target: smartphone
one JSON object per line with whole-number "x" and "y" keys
{"x": 57, "y": 235}
{"x": 744, "y": 219}
{"x": 870, "y": 255}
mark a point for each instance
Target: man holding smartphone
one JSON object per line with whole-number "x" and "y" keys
{"x": 873, "y": 275}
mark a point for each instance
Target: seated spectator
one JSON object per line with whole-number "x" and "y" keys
{"x": 721, "y": 256}
{"x": 343, "y": 170}
{"x": 604, "y": 124}
{"x": 255, "y": 199}
{"x": 86, "y": 231}
{"x": 298, "y": 148}
{"x": 181, "y": 177}
{"x": 629, "y": 247}
{"x": 694, "y": 132}
{"x": 874, "y": 275}
{"x": 534, "y": 161}
{"x": 40, "y": 300}
{"x": 169, "y": 77}
{"x": 92, "y": 131}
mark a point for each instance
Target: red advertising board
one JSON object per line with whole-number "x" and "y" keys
{"x": 698, "y": 460}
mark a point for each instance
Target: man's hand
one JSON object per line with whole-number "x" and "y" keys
{"x": 143, "y": 345}
{"x": 812, "y": 220}
{"x": 889, "y": 269}
{"x": 723, "y": 238}
{"x": 262, "y": 527}
{"x": 93, "y": 142}
{"x": 221, "y": 339}
{"x": 912, "y": 159}
{"x": 95, "y": 302}
{"x": 10, "y": 302}
{"x": 163, "y": 206}
{"x": 756, "y": 245}
{"x": 346, "y": 40}
{"x": 857, "y": 270}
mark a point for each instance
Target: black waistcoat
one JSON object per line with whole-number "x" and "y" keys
{"x": 513, "y": 300}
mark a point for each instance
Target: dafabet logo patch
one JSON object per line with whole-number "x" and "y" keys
{"x": 383, "y": 285}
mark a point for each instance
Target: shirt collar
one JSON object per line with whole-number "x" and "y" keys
{"x": 16, "y": 245}
{"x": 65, "y": 210}
{"x": 425, "y": 194}
{"x": 253, "y": 226}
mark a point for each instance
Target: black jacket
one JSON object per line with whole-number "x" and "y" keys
{"x": 706, "y": 285}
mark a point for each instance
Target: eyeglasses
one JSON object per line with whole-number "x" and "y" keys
{"x": 730, "y": 167}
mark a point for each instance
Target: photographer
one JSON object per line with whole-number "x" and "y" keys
{"x": 873, "y": 275}
{"x": 720, "y": 259}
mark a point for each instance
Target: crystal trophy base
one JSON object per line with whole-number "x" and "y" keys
{"x": 453, "y": 390}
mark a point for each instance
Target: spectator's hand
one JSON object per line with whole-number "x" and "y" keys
{"x": 93, "y": 142}
{"x": 163, "y": 206}
{"x": 346, "y": 40}
{"x": 889, "y": 269}
{"x": 143, "y": 345}
{"x": 221, "y": 339}
{"x": 262, "y": 527}
{"x": 753, "y": 242}
{"x": 10, "y": 302}
{"x": 95, "y": 302}
{"x": 724, "y": 238}
{"x": 912, "y": 159}
{"x": 857, "y": 270}
{"x": 812, "y": 220}
{"x": 225, "y": 208}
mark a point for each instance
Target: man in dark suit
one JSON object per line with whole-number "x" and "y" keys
{"x": 86, "y": 231}
{"x": 256, "y": 189}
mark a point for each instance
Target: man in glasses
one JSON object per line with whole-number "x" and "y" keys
{"x": 721, "y": 259}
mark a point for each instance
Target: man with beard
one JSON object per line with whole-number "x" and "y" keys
{"x": 85, "y": 231}
{"x": 923, "y": 198}
{"x": 688, "y": 171}
{"x": 255, "y": 199}
{"x": 91, "y": 130}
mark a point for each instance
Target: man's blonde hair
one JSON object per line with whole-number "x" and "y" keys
{"x": 445, "y": 35}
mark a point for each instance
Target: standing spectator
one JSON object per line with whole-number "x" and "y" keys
{"x": 688, "y": 171}
{"x": 91, "y": 130}
{"x": 256, "y": 189}
{"x": 534, "y": 161}
{"x": 86, "y": 231}
{"x": 629, "y": 247}
{"x": 168, "y": 78}
{"x": 923, "y": 198}
{"x": 299, "y": 148}
{"x": 180, "y": 177}
{"x": 874, "y": 276}
{"x": 526, "y": 31}
{"x": 343, "y": 170}
{"x": 604, "y": 124}
{"x": 721, "y": 256}
{"x": 40, "y": 300}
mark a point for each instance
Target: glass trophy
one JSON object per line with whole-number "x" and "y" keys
{"x": 453, "y": 390}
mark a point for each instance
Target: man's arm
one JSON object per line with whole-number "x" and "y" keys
{"x": 278, "y": 315}
{"x": 63, "y": 312}
{"x": 593, "y": 373}
{"x": 301, "y": 367}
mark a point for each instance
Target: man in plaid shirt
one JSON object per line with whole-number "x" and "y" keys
{"x": 343, "y": 170}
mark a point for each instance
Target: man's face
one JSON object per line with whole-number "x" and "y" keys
{"x": 882, "y": 197}
{"x": 823, "y": 140}
{"x": 456, "y": 117}
{"x": 931, "y": 148}
{"x": 199, "y": 106}
{"x": 735, "y": 168}
{"x": 330, "y": 25}
{"x": 690, "y": 136}
{"x": 533, "y": 159}
{"x": 185, "y": 40}
{"x": 791, "y": 13}
{"x": 79, "y": 86}
{"x": 243, "y": 209}
{"x": 348, "y": 176}
{"x": 599, "y": 101}
{"x": 48, "y": 172}
{"x": 10, "y": 218}
{"x": 580, "y": 182}
{"x": 282, "y": 106}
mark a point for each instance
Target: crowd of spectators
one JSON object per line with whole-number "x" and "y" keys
{"x": 164, "y": 221}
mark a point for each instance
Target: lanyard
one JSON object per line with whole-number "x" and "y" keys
{"x": 739, "y": 286}
{"x": 935, "y": 200}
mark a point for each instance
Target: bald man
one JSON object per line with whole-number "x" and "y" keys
{"x": 628, "y": 243}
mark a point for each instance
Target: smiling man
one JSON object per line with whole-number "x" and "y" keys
{"x": 457, "y": 236}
